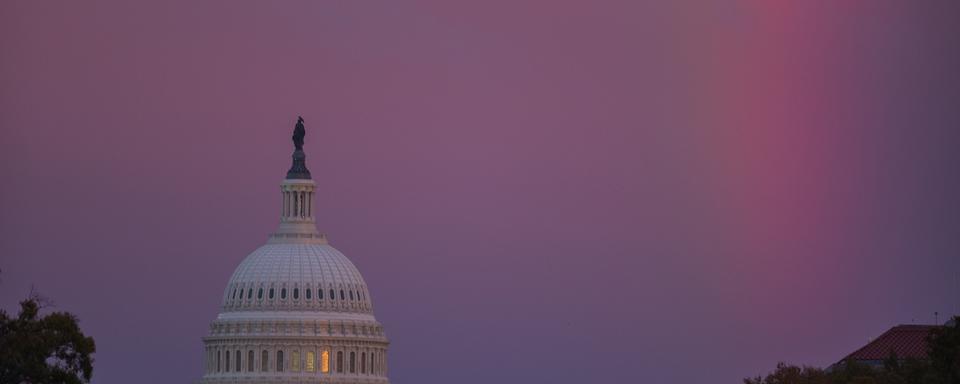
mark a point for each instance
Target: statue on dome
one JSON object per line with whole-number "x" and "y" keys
{"x": 298, "y": 134}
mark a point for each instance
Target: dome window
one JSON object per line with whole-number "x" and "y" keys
{"x": 342, "y": 297}
{"x": 332, "y": 296}
{"x": 283, "y": 293}
{"x": 271, "y": 294}
{"x": 234, "y": 293}
{"x": 260, "y": 293}
{"x": 296, "y": 293}
{"x": 351, "y": 295}
{"x": 324, "y": 361}
{"x": 249, "y": 293}
{"x": 320, "y": 293}
{"x": 308, "y": 294}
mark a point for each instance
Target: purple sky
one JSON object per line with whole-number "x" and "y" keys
{"x": 634, "y": 192}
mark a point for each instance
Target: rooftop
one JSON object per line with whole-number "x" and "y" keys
{"x": 907, "y": 341}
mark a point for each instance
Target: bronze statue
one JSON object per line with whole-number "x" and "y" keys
{"x": 298, "y": 170}
{"x": 298, "y": 134}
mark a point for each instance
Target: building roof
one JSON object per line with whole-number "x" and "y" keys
{"x": 907, "y": 341}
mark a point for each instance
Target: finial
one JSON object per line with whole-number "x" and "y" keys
{"x": 299, "y": 168}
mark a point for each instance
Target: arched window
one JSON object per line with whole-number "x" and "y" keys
{"x": 325, "y": 361}
{"x": 295, "y": 361}
{"x": 234, "y": 294}
{"x": 279, "y": 361}
{"x": 283, "y": 293}
{"x": 373, "y": 364}
{"x": 342, "y": 296}
{"x": 250, "y": 361}
{"x": 339, "y": 362}
{"x": 351, "y": 295}
{"x": 218, "y": 361}
{"x": 226, "y": 359}
{"x": 353, "y": 362}
{"x": 363, "y": 362}
{"x": 311, "y": 363}
{"x": 332, "y": 296}
{"x": 308, "y": 293}
{"x": 238, "y": 366}
{"x": 260, "y": 293}
{"x": 271, "y": 294}
{"x": 249, "y": 293}
{"x": 264, "y": 361}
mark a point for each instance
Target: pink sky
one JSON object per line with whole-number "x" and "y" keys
{"x": 628, "y": 192}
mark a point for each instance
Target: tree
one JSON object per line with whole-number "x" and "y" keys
{"x": 791, "y": 374}
{"x": 943, "y": 348}
{"x": 47, "y": 349}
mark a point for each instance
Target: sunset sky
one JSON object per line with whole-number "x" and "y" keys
{"x": 539, "y": 192}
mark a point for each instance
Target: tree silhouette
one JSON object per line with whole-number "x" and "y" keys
{"x": 47, "y": 349}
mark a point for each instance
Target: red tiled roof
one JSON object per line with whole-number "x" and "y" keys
{"x": 907, "y": 341}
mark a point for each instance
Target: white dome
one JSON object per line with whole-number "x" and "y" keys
{"x": 302, "y": 277}
{"x": 296, "y": 310}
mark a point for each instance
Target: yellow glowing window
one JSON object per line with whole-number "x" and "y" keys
{"x": 295, "y": 362}
{"x": 324, "y": 361}
{"x": 311, "y": 358}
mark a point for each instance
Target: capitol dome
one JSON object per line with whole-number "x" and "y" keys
{"x": 296, "y": 310}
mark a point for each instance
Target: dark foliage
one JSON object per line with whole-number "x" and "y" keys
{"x": 944, "y": 351}
{"x": 942, "y": 367}
{"x": 38, "y": 349}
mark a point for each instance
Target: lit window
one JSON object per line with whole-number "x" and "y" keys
{"x": 295, "y": 361}
{"x": 264, "y": 361}
{"x": 311, "y": 361}
{"x": 279, "y": 361}
{"x": 325, "y": 361}
{"x": 250, "y": 361}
